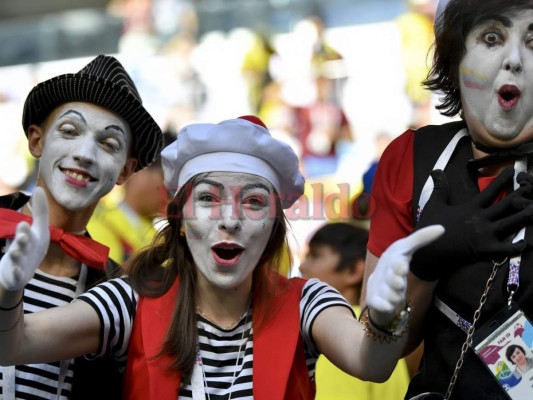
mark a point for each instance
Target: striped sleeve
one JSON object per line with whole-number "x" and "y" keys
{"x": 316, "y": 297}
{"x": 115, "y": 302}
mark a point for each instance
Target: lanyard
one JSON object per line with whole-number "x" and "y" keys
{"x": 197, "y": 379}
{"x": 513, "y": 280}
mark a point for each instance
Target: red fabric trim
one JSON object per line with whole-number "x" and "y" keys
{"x": 392, "y": 192}
{"x": 79, "y": 247}
{"x": 278, "y": 350}
{"x": 147, "y": 376}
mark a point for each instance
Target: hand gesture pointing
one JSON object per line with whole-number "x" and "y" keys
{"x": 388, "y": 283}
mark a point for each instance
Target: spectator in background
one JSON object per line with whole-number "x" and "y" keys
{"x": 416, "y": 32}
{"x": 336, "y": 255}
{"x": 138, "y": 36}
{"x": 362, "y": 204}
{"x": 255, "y": 69}
{"x": 301, "y": 58}
{"x": 320, "y": 127}
{"x": 322, "y": 51}
{"x": 131, "y": 224}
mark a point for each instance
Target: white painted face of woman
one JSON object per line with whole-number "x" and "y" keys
{"x": 228, "y": 222}
{"x": 496, "y": 80}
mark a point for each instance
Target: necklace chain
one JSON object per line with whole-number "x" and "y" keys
{"x": 470, "y": 334}
{"x": 227, "y": 326}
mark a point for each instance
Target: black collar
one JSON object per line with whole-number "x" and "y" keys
{"x": 499, "y": 155}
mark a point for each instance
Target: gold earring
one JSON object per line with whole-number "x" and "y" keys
{"x": 182, "y": 233}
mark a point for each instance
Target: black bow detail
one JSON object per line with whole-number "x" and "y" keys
{"x": 499, "y": 155}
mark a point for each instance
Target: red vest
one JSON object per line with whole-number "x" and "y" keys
{"x": 279, "y": 367}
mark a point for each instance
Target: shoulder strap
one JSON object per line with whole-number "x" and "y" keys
{"x": 429, "y": 142}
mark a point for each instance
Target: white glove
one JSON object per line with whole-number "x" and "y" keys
{"x": 28, "y": 248}
{"x": 387, "y": 285}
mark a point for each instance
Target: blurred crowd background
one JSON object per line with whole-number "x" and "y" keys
{"x": 336, "y": 79}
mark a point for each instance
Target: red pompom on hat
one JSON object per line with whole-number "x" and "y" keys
{"x": 254, "y": 119}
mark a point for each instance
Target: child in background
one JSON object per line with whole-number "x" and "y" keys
{"x": 336, "y": 255}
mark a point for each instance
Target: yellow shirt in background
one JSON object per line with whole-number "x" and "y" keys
{"x": 120, "y": 229}
{"x": 334, "y": 384}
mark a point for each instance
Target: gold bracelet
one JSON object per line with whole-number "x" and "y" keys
{"x": 21, "y": 313}
{"x": 391, "y": 334}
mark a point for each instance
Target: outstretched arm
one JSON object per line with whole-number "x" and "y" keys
{"x": 371, "y": 354}
{"x": 58, "y": 333}
{"x": 51, "y": 335}
{"x": 478, "y": 229}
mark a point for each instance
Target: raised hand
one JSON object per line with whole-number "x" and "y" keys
{"x": 387, "y": 285}
{"x": 28, "y": 248}
{"x": 478, "y": 230}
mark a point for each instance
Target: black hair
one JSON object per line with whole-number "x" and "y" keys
{"x": 510, "y": 350}
{"x": 453, "y": 26}
{"x": 348, "y": 240}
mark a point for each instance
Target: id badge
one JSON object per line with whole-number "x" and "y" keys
{"x": 505, "y": 346}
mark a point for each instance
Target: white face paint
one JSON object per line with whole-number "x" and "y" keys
{"x": 85, "y": 148}
{"x": 496, "y": 80}
{"x": 228, "y": 219}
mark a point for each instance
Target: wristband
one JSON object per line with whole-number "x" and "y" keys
{"x": 12, "y": 308}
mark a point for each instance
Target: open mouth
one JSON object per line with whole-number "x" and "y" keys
{"x": 508, "y": 96}
{"x": 227, "y": 254}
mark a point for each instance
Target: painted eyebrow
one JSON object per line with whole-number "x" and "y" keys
{"x": 505, "y": 21}
{"x": 256, "y": 185}
{"x": 210, "y": 182}
{"x": 115, "y": 127}
{"x": 245, "y": 187}
{"x": 508, "y": 23}
{"x": 80, "y": 115}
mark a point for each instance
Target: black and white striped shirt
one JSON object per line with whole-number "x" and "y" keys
{"x": 41, "y": 381}
{"x": 226, "y": 355}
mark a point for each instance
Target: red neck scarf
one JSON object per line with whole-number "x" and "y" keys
{"x": 79, "y": 247}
